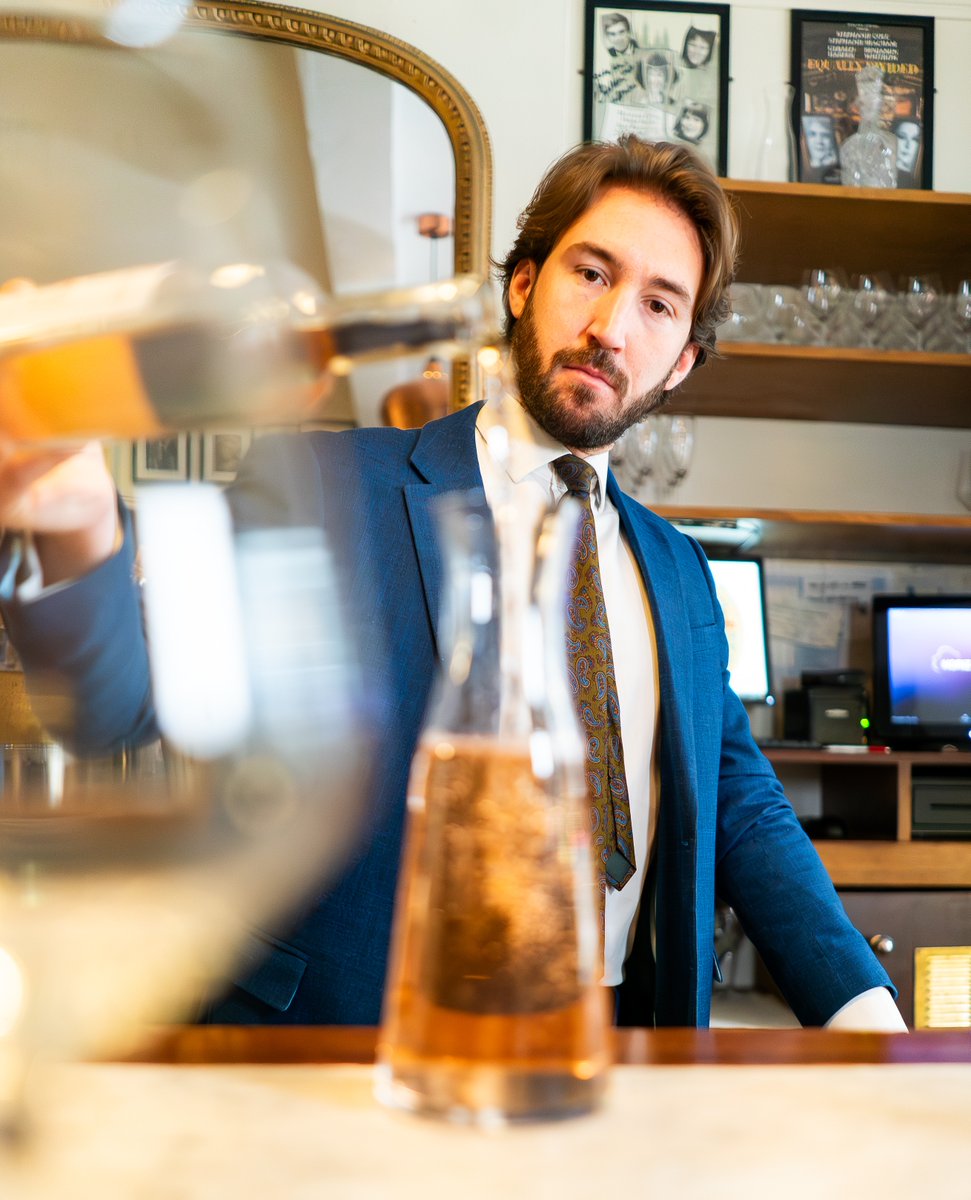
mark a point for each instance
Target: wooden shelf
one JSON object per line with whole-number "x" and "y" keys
{"x": 856, "y": 536}
{"x": 821, "y": 383}
{"x": 788, "y": 227}
{"x": 876, "y": 788}
{"x": 886, "y": 864}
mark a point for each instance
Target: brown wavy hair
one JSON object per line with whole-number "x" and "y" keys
{"x": 674, "y": 174}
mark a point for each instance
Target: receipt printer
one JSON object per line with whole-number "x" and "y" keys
{"x": 828, "y": 709}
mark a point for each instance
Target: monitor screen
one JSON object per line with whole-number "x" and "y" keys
{"x": 922, "y": 671}
{"x": 741, "y": 593}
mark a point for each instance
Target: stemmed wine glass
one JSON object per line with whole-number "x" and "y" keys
{"x": 961, "y": 312}
{"x": 823, "y": 289}
{"x": 677, "y": 448}
{"x": 639, "y": 450}
{"x": 922, "y": 297}
{"x": 872, "y": 299}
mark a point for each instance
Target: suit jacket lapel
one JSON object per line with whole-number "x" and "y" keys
{"x": 652, "y": 550}
{"x": 445, "y": 460}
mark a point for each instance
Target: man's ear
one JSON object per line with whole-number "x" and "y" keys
{"x": 681, "y": 369}
{"x": 520, "y": 285}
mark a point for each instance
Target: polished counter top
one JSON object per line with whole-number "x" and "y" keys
{"x": 281, "y": 1113}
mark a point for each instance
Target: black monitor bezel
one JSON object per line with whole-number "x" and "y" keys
{"x": 907, "y": 737}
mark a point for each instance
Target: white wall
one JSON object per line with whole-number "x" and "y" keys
{"x": 522, "y": 64}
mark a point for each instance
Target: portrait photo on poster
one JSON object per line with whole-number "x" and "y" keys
{"x": 863, "y": 109}
{"x": 659, "y": 70}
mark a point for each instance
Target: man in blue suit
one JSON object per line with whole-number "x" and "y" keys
{"x": 613, "y": 292}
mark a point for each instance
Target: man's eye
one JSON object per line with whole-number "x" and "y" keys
{"x": 659, "y": 307}
{"x": 591, "y": 275}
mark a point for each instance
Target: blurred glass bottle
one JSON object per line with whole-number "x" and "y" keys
{"x": 494, "y": 1012}
{"x": 776, "y": 153}
{"x": 172, "y": 346}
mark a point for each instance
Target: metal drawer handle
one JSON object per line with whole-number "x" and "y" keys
{"x": 881, "y": 943}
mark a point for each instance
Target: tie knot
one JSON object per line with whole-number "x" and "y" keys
{"x": 578, "y": 475}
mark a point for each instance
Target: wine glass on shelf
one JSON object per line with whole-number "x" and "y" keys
{"x": 921, "y": 302}
{"x": 961, "y": 315}
{"x": 677, "y": 448}
{"x": 640, "y": 453}
{"x": 872, "y": 300}
{"x": 823, "y": 289}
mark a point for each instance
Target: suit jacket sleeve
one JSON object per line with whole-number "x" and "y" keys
{"x": 85, "y": 657}
{"x": 768, "y": 870}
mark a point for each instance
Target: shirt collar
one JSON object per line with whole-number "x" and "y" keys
{"x": 531, "y": 449}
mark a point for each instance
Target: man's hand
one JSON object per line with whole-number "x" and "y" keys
{"x": 66, "y": 499}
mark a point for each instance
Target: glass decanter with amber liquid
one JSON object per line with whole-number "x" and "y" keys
{"x": 494, "y": 1011}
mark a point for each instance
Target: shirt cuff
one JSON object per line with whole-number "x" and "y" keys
{"x": 873, "y": 1011}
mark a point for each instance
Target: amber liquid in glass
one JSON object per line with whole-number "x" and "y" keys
{"x": 494, "y": 1012}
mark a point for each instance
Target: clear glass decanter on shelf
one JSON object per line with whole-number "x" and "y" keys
{"x": 494, "y": 1012}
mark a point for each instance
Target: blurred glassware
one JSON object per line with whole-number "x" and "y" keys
{"x": 921, "y": 302}
{"x": 961, "y": 316}
{"x": 872, "y": 300}
{"x": 643, "y": 452}
{"x": 746, "y": 323}
{"x": 185, "y": 348}
{"x": 493, "y": 1009}
{"x": 787, "y": 317}
{"x": 677, "y": 443}
{"x": 868, "y": 157}
{"x": 776, "y": 158}
{"x": 823, "y": 289}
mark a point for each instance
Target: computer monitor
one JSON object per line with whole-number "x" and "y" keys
{"x": 922, "y": 671}
{"x": 740, "y": 585}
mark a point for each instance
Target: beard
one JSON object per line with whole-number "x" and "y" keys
{"x": 573, "y": 415}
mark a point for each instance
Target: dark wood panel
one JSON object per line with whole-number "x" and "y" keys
{"x": 859, "y": 537}
{"x": 910, "y": 919}
{"x": 819, "y": 383}
{"x": 784, "y": 226}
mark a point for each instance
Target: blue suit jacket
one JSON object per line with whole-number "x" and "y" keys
{"x": 724, "y": 824}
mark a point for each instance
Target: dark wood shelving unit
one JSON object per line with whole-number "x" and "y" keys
{"x": 788, "y": 227}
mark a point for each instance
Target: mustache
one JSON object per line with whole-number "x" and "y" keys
{"x": 600, "y": 359}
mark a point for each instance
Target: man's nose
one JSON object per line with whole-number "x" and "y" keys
{"x": 610, "y": 320}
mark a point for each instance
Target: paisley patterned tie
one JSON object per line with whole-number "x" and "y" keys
{"x": 591, "y": 669}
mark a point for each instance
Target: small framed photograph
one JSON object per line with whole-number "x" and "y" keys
{"x": 658, "y": 70}
{"x": 161, "y": 458}
{"x": 221, "y": 453}
{"x": 849, "y": 68}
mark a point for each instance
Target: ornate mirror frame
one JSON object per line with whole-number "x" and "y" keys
{"x": 379, "y": 52}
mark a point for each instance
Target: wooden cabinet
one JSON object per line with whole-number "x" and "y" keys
{"x": 871, "y": 793}
{"x": 789, "y": 227}
{"x": 898, "y": 925}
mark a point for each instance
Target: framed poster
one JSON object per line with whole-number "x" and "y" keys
{"x": 161, "y": 458}
{"x": 836, "y": 58}
{"x": 221, "y": 453}
{"x": 660, "y": 71}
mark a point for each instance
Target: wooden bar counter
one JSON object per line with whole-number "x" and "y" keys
{"x": 279, "y": 1113}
